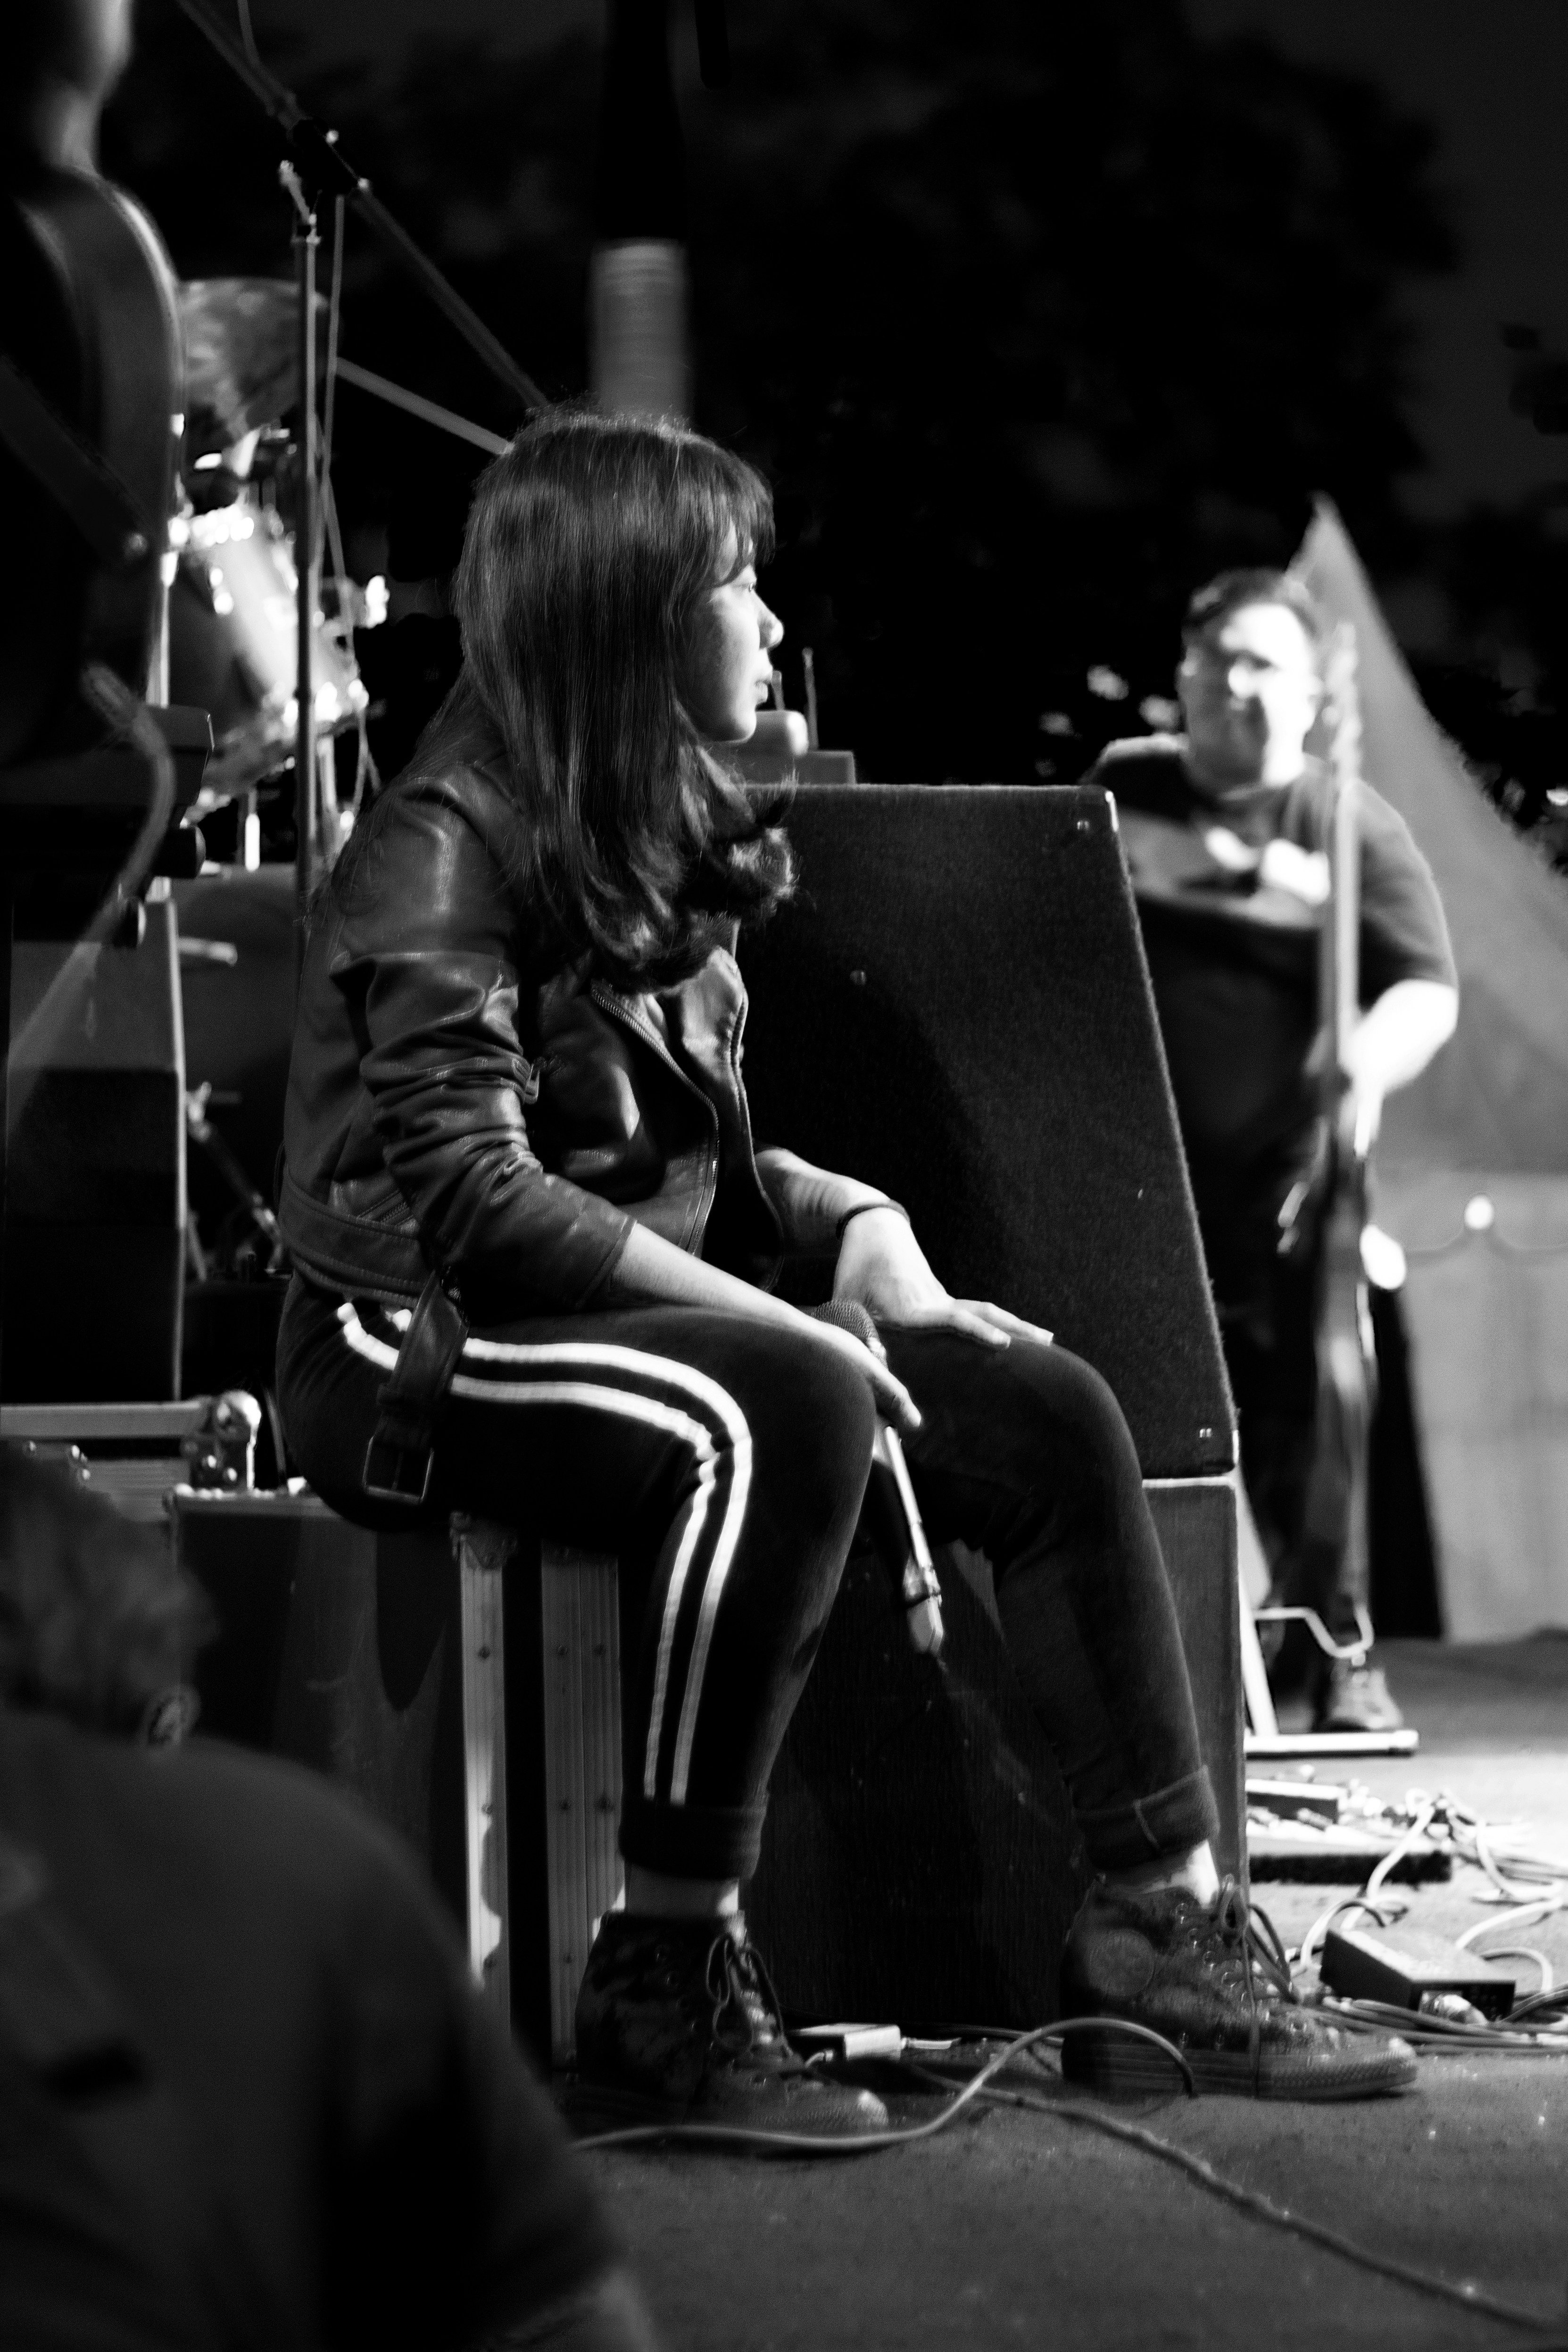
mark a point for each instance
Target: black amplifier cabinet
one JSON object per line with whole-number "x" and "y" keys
{"x": 389, "y": 1663}
{"x": 94, "y": 1242}
{"x": 956, "y": 1006}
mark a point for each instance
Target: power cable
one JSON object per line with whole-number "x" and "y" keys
{"x": 819, "y": 2143}
{"x": 980, "y": 2085}
{"x": 1280, "y": 2217}
{"x": 1536, "y": 2026}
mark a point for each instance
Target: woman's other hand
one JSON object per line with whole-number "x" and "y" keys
{"x": 651, "y": 1270}
{"x": 892, "y": 1399}
{"x": 883, "y": 1266}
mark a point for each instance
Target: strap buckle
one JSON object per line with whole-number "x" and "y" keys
{"x": 395, "y": 1472}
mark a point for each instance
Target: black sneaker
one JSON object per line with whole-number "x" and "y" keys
{"x": 1208, "y": 1978}
{"x": 1354, "y": 1696}
{"x": 677, "y": 2022}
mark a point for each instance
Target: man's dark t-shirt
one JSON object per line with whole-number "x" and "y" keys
{"x": 1234, "y": 962}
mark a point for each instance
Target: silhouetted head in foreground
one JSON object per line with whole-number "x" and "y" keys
{"x": 96, "y": 1622}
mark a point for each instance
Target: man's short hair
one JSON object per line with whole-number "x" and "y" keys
{"x": 1211, "y": 606}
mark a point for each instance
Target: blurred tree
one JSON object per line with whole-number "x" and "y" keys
{"x": 1502, "y": 689}
{"x": 1033, "y": 318}
{"x": 1036, "y": 318}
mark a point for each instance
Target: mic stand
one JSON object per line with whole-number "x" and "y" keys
{"x": 328, "y": 171}
{"x": 305, "y": 243}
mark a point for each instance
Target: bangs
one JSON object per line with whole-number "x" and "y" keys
{"x": 721, "y": 495}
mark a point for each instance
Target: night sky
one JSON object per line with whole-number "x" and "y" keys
{"x": 971, "y": 288}
{"x": 1490, "y": 75}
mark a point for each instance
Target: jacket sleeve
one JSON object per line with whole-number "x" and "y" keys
{"x": 427, "y": 953}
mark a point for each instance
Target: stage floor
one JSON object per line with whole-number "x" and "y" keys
{"x": 1025, "y": 2228}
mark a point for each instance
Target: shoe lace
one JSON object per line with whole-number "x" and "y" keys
{"x": 1252, "y": 1941}
{"x": 740, "y": 1987}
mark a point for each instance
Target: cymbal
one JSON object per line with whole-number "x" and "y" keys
{"x": 242, "y": 360}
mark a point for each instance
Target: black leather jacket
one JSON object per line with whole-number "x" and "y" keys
{"x": 461, "y": 1099}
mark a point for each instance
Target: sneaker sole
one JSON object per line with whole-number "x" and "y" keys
{"x": 1118, "y": 2065}
{"x": 592, "y": 2107}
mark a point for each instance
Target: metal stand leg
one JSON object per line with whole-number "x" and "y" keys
{"x": 482, "y": 1553}
{"x": 1261, "y": 1716}
{"x": 581, "y": 1625}
{"x": 1252, "y": 1571}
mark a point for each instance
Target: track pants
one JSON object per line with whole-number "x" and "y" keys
{"x": 723, "y": 1462}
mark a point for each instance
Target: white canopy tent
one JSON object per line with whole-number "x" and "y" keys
{"x": 1487, "y": 1309}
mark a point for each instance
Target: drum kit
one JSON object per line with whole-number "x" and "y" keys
{"x": 233, "y": 601}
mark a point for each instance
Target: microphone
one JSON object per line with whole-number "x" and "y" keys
{"x": 891, "y": 1512}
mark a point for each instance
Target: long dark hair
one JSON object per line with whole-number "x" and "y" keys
{"x": 588, "y": 545}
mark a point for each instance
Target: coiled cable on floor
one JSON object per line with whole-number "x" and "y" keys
{"x": 1536, "y": 2025}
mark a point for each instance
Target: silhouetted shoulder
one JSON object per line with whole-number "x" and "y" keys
{"x": 1131, "y": 749}
{"x": 245, "y": 1837}
{"x": 1145, "y": 772}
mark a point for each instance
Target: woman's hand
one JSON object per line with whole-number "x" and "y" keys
{"x": 892, "y": 1399}
{"x": 882, "y": 1265}
{"x": 651, "y": 1269}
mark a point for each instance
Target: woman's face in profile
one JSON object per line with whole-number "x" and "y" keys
{"x": 726, "y": 662}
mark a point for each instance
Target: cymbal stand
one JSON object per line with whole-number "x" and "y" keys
{"x": 316, "y": 151}
{"x": 307, "y": 816}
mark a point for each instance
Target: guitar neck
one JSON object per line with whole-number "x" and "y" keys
{"x": 1340, "y": 939}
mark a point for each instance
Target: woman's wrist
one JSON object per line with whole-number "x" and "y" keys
{"x": 813, "y": 1204}
{"x": 867, "y": 1208}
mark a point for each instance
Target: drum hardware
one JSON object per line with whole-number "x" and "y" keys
{"x": 324, "y": 167}
{"x": 429, "y": 412}
{"x": 142, "y": 1453}
{"x": 234, "y": 619}
{"x": 319, "y": 169}
{"x": 202, "y": 1133}
{"x": 235, "y": 613}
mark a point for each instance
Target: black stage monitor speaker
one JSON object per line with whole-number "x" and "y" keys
{"x": 956, "y": 1006}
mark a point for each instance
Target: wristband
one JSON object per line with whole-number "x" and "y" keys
{"x": 860, "y": 1210}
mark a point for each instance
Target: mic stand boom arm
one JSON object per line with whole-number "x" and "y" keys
{"x": 326, "y": 171}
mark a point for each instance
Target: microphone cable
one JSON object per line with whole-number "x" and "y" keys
{"x": 984, "y": 2085}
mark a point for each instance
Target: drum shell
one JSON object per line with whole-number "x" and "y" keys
{"x": 234, "y": 632}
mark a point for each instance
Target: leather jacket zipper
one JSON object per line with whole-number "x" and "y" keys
{"x": 621, "y": 1009}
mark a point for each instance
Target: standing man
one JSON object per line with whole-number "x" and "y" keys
{"x": 1225, "y": 830}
